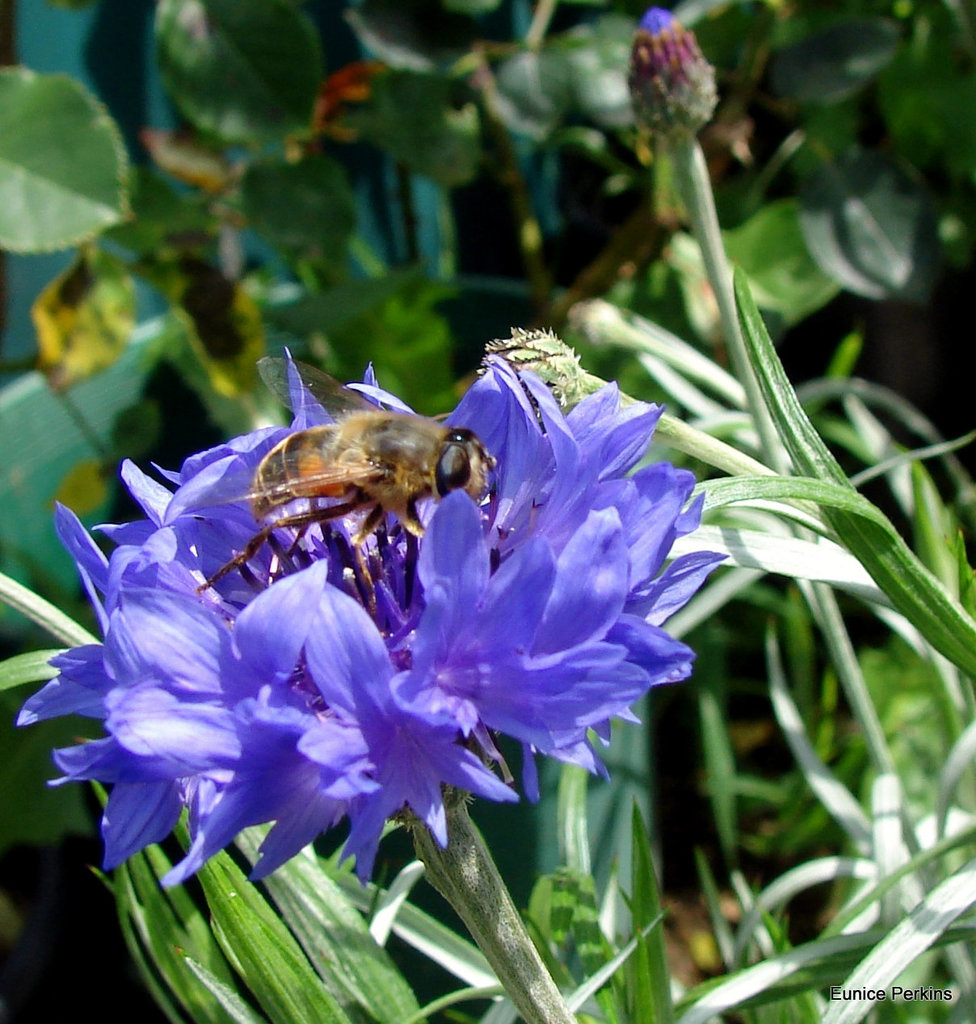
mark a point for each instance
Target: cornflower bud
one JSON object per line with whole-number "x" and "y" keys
{"x": 671, "y": 83}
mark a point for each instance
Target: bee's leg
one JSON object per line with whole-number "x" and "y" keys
{"x": 411, "y": 520}
{"x": 249, "y": 550}
{"x": 370, "y": 523}
{"x": 410, "y": 568}
{"x": 300, "y": 520}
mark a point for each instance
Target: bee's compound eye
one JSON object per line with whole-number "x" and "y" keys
{"x": 453, "y": 467}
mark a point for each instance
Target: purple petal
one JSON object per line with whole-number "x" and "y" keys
{"x": 174, "y": 736}
{"x": 137, "y": 815}
{"x": 92, "y": 564}
{"x": 79, "y": 690}
{"x": 272, "y": 630}
{"x": 346, "y": 655}
{"x": 151, "y": 496}
{"x": 590, "y": 586}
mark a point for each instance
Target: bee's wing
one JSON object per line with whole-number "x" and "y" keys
{"x": 284, "y": 376}
{"x": 303, "y": 472}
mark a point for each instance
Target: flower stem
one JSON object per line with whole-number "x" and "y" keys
{"x": 691, "y": 172}
{"x": 466, "y": 876}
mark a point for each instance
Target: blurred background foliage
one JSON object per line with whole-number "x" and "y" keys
{"x": 187, "y": 184}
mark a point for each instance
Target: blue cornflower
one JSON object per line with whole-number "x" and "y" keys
{"x": 323, "y": 681}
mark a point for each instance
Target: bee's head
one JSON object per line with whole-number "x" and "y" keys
{"x": 463, "y": 464}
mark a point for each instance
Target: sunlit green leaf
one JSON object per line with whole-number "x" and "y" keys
{"x": 31, "y": 667}
{"x": 334, "y": 935}
{"x": 770, "y": 249}
{"x": 910, "y": 587}
{"x": 62, "y": 163}
{"x": 263, "y": 951}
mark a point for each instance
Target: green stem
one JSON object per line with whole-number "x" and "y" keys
{"x": 544, "y": 11}
{"x": 59, "y": 625}
{"x": 691, "y": 172}
{"x": 465, "y": 875}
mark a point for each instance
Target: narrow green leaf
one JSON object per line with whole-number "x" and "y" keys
{"x": 910, "y": 587}
{"x": 262, "y": 949}
{"x": 162, "y": 928}
{"x": 653, "y": 986}
{"x": 59, "y": 625}
{"x": 31, "y": 667}
{"x": 62, "y": 163}
{"x": 239, "y": 1011}
{"x": 358, "y": 972}
{"x": 423, "y": 933}
{"x": 928, "y": 923}
{"x": 574, "y": 845}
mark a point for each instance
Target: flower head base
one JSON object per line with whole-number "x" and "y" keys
{"x": 671, "y": 84}
{"x": 327, "y": 679}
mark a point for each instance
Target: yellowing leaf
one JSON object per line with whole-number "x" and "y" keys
{"x": 84, "y": 488}
{"x": 83, "y": 318}
{"x": 187, "y": 158}
{"x": 224, "y": 326}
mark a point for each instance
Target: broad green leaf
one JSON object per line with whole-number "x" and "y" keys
{"x": 535, "y": 91}
{"x": 410, "y": 115}
{"x": 599, "y": 55}
{"x": 83, "y": 318}
{"x": 263, "y": 951}
{"x": 62, "y": 163}
{"x": 136, "y": 428}
{"x": 305, "y": 208}
{"x": 834, "y": 63}
{"x": 162, "y": 218}
{"x": 471, "y": 7}
{"x": 419, "y": 35}
{"x": 243, "y": 70}
{"x": 910, "y": 587}
{"x": 871, "y": 225}
{"x": 770, "y": 249}
{"x": 337, "y": 307}
{"x": 927, "y": 103}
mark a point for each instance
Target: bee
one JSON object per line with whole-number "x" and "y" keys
{"x": 369, "y": 459}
